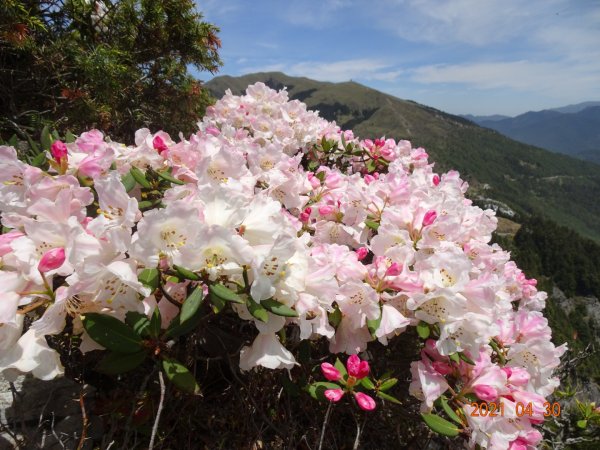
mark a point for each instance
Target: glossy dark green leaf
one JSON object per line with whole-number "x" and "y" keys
{"x": 111, "y": 333}
{"x": 440, "y": 425}
{"x": 70, "y": 137}
{"x": 367, "y": 383}
{"x": 388, "y": 397}
{"x": 448, "y": 410}
{"x": 46, "y": 138}
{"x": 317, "y": 390}
{"x": 139, "y": 177}
{"x": 138, "y": 322}
{"x": 335, "y": 317}
{"x": 180, "y": 376}
{"x": 466, "y": 359}
{"x": 168, "y": 177}
{"x": 224, "y": 293}
{"x": 13, "y": 141}
{"x": 189, "y": 317}
{"x": 128, "y": 181}
{"x": 145, "y": 204}
{"x": 257, "y": 310}
{"x": 339, "y": 365}
{"x": 155, "y": 321}
{"x": 185, "y": 273}
{"x": 388, "y": 384}
{"x": 278, "y": 308}
{"x": 372, "y": 224}
{"x": 373, "y": 324}
{"x": 150, "y": 278}
{"x": 39, "y": 160}
{"x": 423, "y": 330}
{"x": 116, "y": 363}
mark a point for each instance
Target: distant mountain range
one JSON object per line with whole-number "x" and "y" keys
{"x": 573, "y": 130}
{"x": 526, "y": 178}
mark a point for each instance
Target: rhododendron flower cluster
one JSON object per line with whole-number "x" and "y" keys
{"x": 346, "y": 239}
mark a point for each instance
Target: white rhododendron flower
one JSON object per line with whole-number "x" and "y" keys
{"x": 302, "y": 226}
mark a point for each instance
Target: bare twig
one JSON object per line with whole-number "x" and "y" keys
{"x": 159, "y": 411}
{"x": 359, "y": 429}
{"x": 84, "y": 421}
{"x": 325, "y": 421}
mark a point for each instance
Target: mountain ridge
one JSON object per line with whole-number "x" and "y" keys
{"x": 527, "y": 178}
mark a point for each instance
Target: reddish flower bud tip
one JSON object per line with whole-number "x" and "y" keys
{"x": 485, "y": 392}
{"x": 52, "y": 259}
{"x": 429, "y": 218}
{"x": 357, "y": 368}
{"x": 394, "y": 270}
{"x": 365, "y": 402}
{"x": 58, "y": 149}
{"x": 330, "y": 372}
{"x": 442, "y": 367}
{"x": 326, "y": 209}
{"x": 159, "y": 144}
{"x": 362, "y": 253}
{"x": 334, "y": 395}
{"x": 436, "y": 180}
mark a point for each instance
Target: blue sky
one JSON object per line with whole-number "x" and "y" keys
{"x": 461, "y": 56}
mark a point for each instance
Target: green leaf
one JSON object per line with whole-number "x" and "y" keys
{"x": 13, "y": 141}
{"x": 278, "y": 308}
{"x": 139, "y": 177}
{"x": 145, "y": 204}
{"x": 218, "y": 304}
{"x": 139, "y": 322}
{"x": 321, "y": 176}
{"x": 128, "y": 181}
{"x": 454, "y": 357}
{"x": 367, "y": 383}
{"x": 372, "y": 224}
{"x": 180, "y": 376}
{"x": 257, "y": 310}
{"x": 70, "y": 137}
{"x": 317, "y": 390}
{"x": 370, "y": 165}
{"x": 111, "y": 333}
{"x": 582, "y": 424}
{"x": 185, "y": 273}
{"x": 116, "y": 363}
{"x": 388, "y": 397}
{"x": 39, "y": 160}
{"x": 448, "y": 410}
{"x": 191, "y": 305}
{"x": 312, "y": 165}
{"x": 440, "y": 425}
{"x": 55, "y": 135}
{"x": 466, "y": 359}
{"x": 189, "y": 316}
{"x": 423, "y": 330}
{"x": 46, "y": 138}
{"x": 388, "y": 384}
{"x": 373, "y": 325}
{"x": 339, "y": 365}
{"x": 155, "y": 322}
{"x": 224, "y": 293}
{"x": 149, "y": 277}
{"x": 335, "y": 317}
{"x": 168, "y": 177}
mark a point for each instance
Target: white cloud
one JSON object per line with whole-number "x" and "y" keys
{"x": 336, "y": 71}
{"x": 553, "y": 79}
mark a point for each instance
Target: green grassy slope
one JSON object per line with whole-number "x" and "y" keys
{"x": 527, "y": 178}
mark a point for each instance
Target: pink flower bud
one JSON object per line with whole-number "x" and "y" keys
{"x": 213, "y": 131}
{"x": 429, "y": 218}
{"x": 362, "y": 253}
{"x": 364, "y": 401}
{"x": 369, "y": 179}
{"x": 436, "y": 179}
{"x": 486, "y": 392}
{"x": 159, "y": 144}
{"x": 304, "y": 218}
{"x": 326, "y": 209}
{"x": 357, "y": 368}
{"x": 52, "y": 259}
{"x": 394, "y": 270}
{"x": 58, "y": 149}
{"x": 442, "y": 367}
{"x": 519, "y": 444}
{"x": 330, "y": 372}
{"x": 334, "y": 395}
